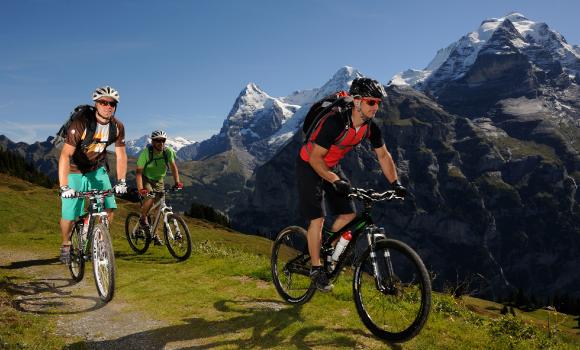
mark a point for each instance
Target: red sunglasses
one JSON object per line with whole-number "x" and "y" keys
{"x": 371, "y": 101}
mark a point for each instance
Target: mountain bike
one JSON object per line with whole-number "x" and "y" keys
{"x": 391, "y": 286}
{"x": 90, "y": 240}
{"x": 175, "y": 230}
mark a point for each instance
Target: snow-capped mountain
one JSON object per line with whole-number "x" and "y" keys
{"x": 341, "y": 80}
{"x": 134, "y": 147}
{"x": 254, "y": 116}
{"x": 259, "y": 124}
{"x": 535, "y": 40}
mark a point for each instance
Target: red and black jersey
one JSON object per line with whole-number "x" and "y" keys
{"x": 336, "y": 134}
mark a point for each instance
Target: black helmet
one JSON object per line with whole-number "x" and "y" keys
{"x": 367, "y": 87}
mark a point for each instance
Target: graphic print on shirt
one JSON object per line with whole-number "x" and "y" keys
{"x": 99, "y": 140}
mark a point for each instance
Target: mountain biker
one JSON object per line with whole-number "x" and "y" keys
{"x": 151, "y": 173}
{"x": 83, "y": 169}
{"x": 320, "y": 177}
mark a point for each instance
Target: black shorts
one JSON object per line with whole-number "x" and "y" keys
{"x": 316, "y": 195}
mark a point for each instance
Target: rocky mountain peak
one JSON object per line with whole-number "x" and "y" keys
{"x": 513, "y": 33}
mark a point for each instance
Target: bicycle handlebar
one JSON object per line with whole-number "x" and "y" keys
{"x": 81, "y": 194}
{"x": 373, "y": 196}
{"x": 165, "y": 190}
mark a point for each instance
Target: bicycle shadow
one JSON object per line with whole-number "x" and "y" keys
{"x": 29, "y": 263}
{"x": 267, "y": 321}
{"x": 47, "y": 296}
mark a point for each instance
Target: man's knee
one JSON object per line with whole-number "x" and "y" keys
{"x": 346, "y": 217}
{"x": 316, "y": 223}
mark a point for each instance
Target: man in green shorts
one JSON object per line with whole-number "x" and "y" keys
{"x": 151, "y": 170}
{"x": 82, "y": 166}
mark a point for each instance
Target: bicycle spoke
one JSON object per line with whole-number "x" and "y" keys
{"x": 291, "y": 266}
{"x": 394, "y": 304}
{"x": 177, "y": 237}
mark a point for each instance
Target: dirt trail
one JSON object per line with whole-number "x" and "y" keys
{"x": 48, "y": 291}
{"x": 80, "y": 315}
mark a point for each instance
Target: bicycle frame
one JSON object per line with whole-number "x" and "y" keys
{"x": 95, "y": 209}
{"x": 361, "y": 223}
{"x": 162, "y": 209}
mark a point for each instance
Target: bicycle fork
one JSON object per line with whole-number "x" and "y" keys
{"x": 382, "y": 265}
{"x": 170, "y": 235}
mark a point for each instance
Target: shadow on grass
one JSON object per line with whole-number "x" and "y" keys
{"x": 255, "y": 324}
{"x": 147, "y": 258}
{"x": 28, "y": 263}
{"x": 47, "y": 296}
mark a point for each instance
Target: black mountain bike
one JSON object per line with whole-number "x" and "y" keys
{"x": 175, "y": 230}
{"x": 90, "y": 240}
{"x": 391, "y": 286}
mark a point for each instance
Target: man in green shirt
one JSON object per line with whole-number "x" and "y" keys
{"x": 151, "y": 170}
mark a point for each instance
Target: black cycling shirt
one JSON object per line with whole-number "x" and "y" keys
{"x": 334, "y": 126}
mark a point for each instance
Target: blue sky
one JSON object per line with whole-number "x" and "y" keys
{"x": 179, "y": 65}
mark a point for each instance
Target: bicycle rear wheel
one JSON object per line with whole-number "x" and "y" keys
{"x": 393, "y": 297}
{"x": 77, "y": 262}
{"x": 290, "y": 264}
{"x": 138, "y": 238}
{"x": 177, "y": 237}
{"x": 103, "y": 262}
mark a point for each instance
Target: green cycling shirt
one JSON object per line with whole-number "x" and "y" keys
{"x": 156, "y": 169}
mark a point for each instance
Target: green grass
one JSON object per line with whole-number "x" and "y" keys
{"x": 223, "y": 297}
{"x": 521, "y": 148}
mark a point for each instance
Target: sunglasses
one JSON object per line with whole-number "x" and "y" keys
{"x": 159, "y": 140}
{"x": 107, "y": 103}
{"x": 372, "y": 101}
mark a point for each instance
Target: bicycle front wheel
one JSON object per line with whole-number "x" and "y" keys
{"x": 103, "y": 262}
{"x": 291, "y": 266}
{"x": 77, "y": 261}
{"x": 138, "y": 238}
{"x": 392, "y": 291}
{"x": 177, "y": 237}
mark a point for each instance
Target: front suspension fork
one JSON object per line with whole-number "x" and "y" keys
{"x": 383, "y": 272}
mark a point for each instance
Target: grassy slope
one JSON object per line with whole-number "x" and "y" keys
{"x": 223, "y": 297}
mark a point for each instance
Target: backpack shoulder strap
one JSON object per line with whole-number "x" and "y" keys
{"x": 112, "y": 131}
{"x": 166, "y": 156}
{"x": 150, "y": 158}
{"x": 87, "y": 112}
{"x": 344, "y": 131}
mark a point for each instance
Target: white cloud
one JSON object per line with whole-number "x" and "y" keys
{"x": 26, "y": 132}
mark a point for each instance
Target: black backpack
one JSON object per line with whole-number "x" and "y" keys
{"x": 88, "y": 113}
{"x": 150, "y": 160}
{"x": 340, "y": 101}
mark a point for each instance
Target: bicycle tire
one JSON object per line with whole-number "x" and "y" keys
{"x": 138, "y": 238}
{"x": 290, "y": 264}
{"x": 406, "y": 300}
{"x": 103, "y": 262}
{"x": 179, "y": 246}
{"x": 77, "y": 261}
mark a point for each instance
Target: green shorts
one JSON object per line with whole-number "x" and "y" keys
{"x": 72, "y": 208}
{"x": 153, "y": 185}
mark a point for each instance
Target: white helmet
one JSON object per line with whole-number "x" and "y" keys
{"x": 158, "y": 134}
{"x": 106, "y": 91}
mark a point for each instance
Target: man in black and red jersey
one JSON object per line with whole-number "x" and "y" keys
{"x": 319, "y": 175}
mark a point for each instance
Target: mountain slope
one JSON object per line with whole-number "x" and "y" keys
{"x": 484, "y": 204}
